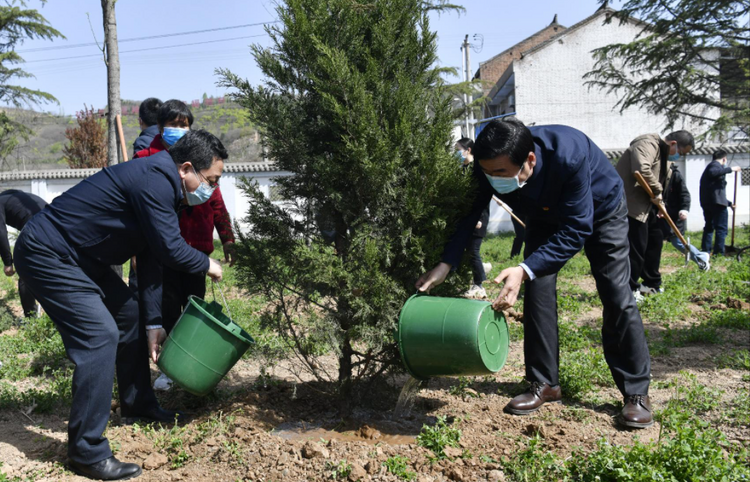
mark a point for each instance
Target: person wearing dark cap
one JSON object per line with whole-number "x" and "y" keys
{"x": 713, "y": 194}
{"x": 147, "y": 120}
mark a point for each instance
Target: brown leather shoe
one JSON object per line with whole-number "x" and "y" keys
{"x": 538, "y": 394}
{"x": 637, "y": 412}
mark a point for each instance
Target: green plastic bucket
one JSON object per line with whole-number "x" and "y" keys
{"x": 451, "y": 336}
{"x": 202, "y": 347}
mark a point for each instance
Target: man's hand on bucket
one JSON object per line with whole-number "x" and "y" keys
{"x": 156, "y": 338}
{"x": 214, "y": 269}
{"x": 512, "y": 277}
{"x": 433, "y": 277}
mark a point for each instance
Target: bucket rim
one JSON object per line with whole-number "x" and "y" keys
{"x": 398, "y": 339}
{"x": 249, "y": 340}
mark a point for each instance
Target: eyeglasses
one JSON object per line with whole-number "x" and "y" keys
{"x": 210, "y": 183}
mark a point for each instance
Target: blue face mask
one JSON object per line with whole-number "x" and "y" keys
{"x": 673, "y": 157}
{"x": 200, "y": 195}
{"x": 173, "y": 134}
{"x": 504, "y": 185}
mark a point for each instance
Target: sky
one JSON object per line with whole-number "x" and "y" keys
{"x": 182, "y": 66}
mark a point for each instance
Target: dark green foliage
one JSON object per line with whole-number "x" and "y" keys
{"x": 16, "y": 25}
{"x": 691, "y": 56}
{"x": 354, "y": 110}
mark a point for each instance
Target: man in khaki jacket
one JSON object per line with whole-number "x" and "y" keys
{"x": 648, "y": 154}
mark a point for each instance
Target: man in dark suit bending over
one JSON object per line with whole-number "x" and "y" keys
{"x": 573, "y": 198}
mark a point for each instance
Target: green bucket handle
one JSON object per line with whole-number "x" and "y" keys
{"x": 233, "y": 328}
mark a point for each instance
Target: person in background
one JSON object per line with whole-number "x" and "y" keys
{"x": 197, "y": 223}
{"x": 16, "y": 208}
{"x": 479, "y": 269}
{"x": 147, "y": 120}
{"x": 648, "y": 154}
{"x": 677, "y": 203}
{"x": 64, "y": 254}
{"x": 573, "y": 200}
{"x": 713, "y": 196}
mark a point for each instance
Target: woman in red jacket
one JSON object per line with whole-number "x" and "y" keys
{"x": 197, "y": 223}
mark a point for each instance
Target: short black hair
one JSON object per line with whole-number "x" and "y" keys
{"x": 198, "y": 147}
{"x": 465, "y": 143}
{"x": 504, "y": 138}
{"x": 720, "y": 154}
{"x": 683, "y": 138}
{"x": 149, "y": 111}
{"x": 174, "y": 109}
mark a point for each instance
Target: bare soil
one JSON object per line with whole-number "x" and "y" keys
{"x": 285, "y": 429}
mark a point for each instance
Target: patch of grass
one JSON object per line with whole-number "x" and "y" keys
{"x": 739, "y": 412}
{"x": 340, "y": 470}
{"x": 439, "y": 436}
{"x": 399, "y": 466}
{"x": 737, "y": 360}
{"x": 731, "y": 318}
{"x": 689, "y": 450}
{"x": 534, "y": 463}
{"x": 582, "y": 371}
{"x": 691, "y": 397}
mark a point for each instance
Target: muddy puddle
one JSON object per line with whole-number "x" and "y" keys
{"x": 370, "y": 433}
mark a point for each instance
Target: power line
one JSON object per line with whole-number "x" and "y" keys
{"x": 135, "y": 39}
{"x": 150, "y": 48}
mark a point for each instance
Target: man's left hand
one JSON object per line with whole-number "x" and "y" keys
{"x": 155, "y": 340}
{"x": 9, "y": 270}
{"x": 657, "y": 200}
{"x": 512, "y": 277}
{"x": 683, "y": 215}
{"x": 230, "y": 255}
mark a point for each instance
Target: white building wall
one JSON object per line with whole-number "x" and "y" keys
{"x": 550, "y": 88}
{"x": 235, "y": 199}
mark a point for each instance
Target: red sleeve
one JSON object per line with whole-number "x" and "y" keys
{"x": 222, "y": 221}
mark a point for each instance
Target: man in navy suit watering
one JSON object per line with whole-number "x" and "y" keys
{"x": 64, "y": 255}
{"x": 573, "y": 199}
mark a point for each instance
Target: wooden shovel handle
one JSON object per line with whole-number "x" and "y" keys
{"x": 662, "y": 209}
{"x": 508, "y": 210}
{"x": 121, "y": 135}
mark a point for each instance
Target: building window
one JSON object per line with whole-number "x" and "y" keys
{"x": 274, "y": 194}
{"x": 745, "y": 177}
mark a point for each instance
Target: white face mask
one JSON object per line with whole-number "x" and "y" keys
{"x": 504, "y": 185}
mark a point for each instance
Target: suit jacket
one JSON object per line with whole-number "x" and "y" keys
{"x": 16, "y": 208}
{"x": 144, "y": 138}
{"x": 122, "y": 211}
{"x": 713, "y": 190}
{"x": 572, "y": 186}
{"x": 647, "y": 154}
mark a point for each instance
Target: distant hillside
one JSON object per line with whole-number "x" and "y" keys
{"x": 44, "y": 149}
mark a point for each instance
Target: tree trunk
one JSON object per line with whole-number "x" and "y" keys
{"x": 113, "y": 79}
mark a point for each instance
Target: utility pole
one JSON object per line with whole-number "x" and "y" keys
{"x": 112, "y": 59}
{"x": 468, "y": 98}
{"x": 464, "y": 71}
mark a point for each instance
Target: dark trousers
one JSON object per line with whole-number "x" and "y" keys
{"x": 477, "y": 270}
{"x": 518, "y": 240}
{"x": 28, "y": 303}
{"x": 176, "y": 289}
{"x": 717, "y": 219}
{"x": 646, "y": 242}
{"x": 623, "y": 338}
{"x": 97, "y": 317}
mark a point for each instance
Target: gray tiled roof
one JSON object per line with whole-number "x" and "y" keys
{"x": 700, "y": 151}
{"x": 238, "y": 167}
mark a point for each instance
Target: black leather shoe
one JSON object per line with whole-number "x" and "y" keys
{"x": 637, "y": 412}
{"x": 538, "y": 394}
{"x": 154, "y": 414}
{"x": 107, "y": 469}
